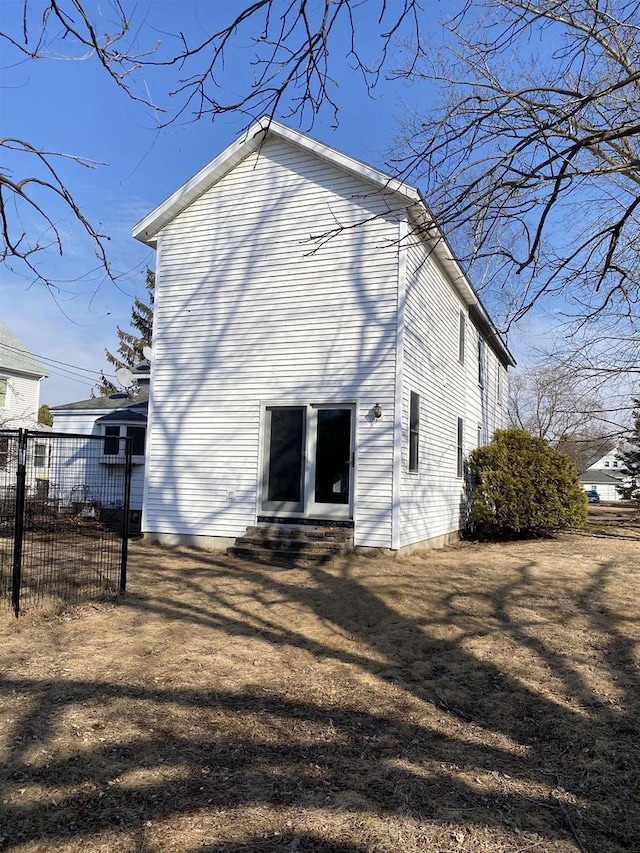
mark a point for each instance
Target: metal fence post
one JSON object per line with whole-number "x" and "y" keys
{"x": 128, "y": 450}
{"x": 21, "y": 479}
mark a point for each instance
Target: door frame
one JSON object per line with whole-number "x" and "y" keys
{"x": 310, "y": 510}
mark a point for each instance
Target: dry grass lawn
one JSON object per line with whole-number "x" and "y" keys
{"x": 480, "y": 698}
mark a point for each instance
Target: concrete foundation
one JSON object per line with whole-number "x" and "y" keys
{"x": 221, "y": 543}
{"x": 187, "y": 540}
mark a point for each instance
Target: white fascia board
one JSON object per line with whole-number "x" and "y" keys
{"x": 425, "y": 227}
{"x": 147, "y": 229}
{"x": 64, "y": 412}
{"x": 348, "y": 164}
{"x": 18, "y": 373}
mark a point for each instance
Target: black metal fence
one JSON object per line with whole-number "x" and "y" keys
{"x": 64, "y": 516}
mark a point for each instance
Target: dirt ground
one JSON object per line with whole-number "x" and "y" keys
{"x": 479, "y": 698}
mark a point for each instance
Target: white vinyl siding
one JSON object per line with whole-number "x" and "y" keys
{"x": 430, "y": 499}
{"x": 483, "y": 406}
{"x": 19, "y": 401}
{"x": 251, "y": 310}
{"x": 436, "y": 324}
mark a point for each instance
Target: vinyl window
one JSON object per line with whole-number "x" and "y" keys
{"x": 138, "y": 434}
{"x": 39, "y": 455}
{"x": 481, "y": 358}
{"x": 111, "y": 440}
{"x": 113, "y": 446}
{"x": 414, "y": 431}
{"x": 461, "y": 337}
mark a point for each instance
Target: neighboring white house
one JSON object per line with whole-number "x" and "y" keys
{"x": 603, "y": 474}
{"x": 20, "y": 378}
{"x": 98, "y": 473}
{"x": 319, "y": 354}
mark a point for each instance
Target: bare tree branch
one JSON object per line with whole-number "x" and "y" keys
{"x": 295, "y": 45}
{"x": 33, "y": 194}
{"x": 533, "y": 154}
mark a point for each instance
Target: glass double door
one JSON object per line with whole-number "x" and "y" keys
{"x": 308, "y": 461}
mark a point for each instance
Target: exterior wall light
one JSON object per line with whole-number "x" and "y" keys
{"x": 377, "y": 411}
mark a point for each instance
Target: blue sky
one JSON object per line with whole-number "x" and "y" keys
{"x": 70, "y": 105}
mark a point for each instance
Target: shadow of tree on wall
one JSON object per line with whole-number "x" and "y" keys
{"x": 336, "y": 707}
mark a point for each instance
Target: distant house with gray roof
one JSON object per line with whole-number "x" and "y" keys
{"x": 20, "y": 378}
{"x": 604, "y": 475}
{"x": 123, "y": 414}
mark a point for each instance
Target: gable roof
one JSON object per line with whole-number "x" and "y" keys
{"x": 118, "y": 402}
{"x": 130, "y": 415}
{"x": 148, "y": 228}
{"x": 621, "y": 447}
{"x": 15, "y": 357}
{"x": 597, "y": 457}
{"x": 602, "y": 478}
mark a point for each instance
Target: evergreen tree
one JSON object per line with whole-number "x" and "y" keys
{"x": 129, "y": 352}
{"x": 44, "y": 415}
{"x": 630, "y": 460}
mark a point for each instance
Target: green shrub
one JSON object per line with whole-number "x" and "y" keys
{"x": 520, "y": 486}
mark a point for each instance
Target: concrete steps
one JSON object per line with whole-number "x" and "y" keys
{"x": 292, "y": 544}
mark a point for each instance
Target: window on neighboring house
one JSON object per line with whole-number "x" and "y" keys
{"x": 111, "y": 440}
{"x": 39, "y": 455}
{"x": 460, "y": 448}
{"x": 42, "y": 488}
{"x": 606, "y": 464}
{"x": 461, "y": 337}
{"x": 414, "y": 431}
{"x": 480, "y": 361}
{"x": 615, "y": 463}
{"x": 4, "y": 391}
{"x": 113, "y": 446}
{"x": 137, "y": 433}
{"x": 4, "y": 452}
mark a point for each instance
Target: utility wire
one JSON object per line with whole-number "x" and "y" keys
{"x": 47, "y": 361}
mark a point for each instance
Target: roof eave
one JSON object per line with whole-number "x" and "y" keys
{"x": 147, "y": 229}
{"x": 440, "y": 247}
{"x": 21, "y": 371}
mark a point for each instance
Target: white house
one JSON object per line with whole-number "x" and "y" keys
{"x": 604, "y": 475}
{"x": 20, "y": 378}
{"x": 98, "y": 473}
{"x": 319, "y": 354}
